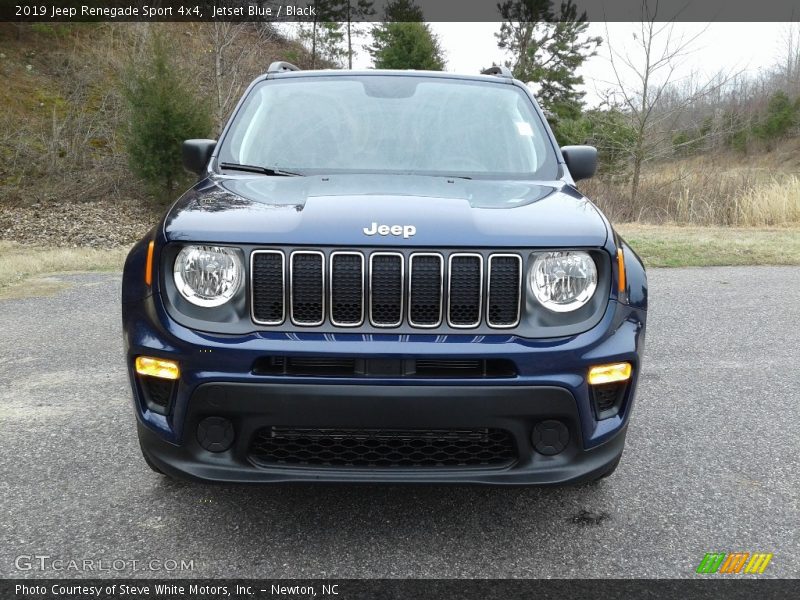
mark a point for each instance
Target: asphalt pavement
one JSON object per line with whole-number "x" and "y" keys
{"x": 712, "y": 462}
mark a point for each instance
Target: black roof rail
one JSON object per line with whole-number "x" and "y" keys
{"x": 499, "y": 70}
{"x": 280, "y": 66}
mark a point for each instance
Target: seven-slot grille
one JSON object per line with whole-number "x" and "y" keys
{"x": 385, "y": 289}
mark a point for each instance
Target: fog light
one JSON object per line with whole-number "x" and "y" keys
{"x": 550, "y": 437}
{"x": 215, "y": 434}
{"x": 610, "y": 373}
{"x": 157, "y": 367}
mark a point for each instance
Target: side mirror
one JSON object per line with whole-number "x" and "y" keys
{"x": 581, "y": 161}
{"x": 197, "y": 153}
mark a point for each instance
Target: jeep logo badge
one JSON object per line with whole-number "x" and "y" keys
{"x": 405, "y": 230}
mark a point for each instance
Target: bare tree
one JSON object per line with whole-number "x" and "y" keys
{"x": 227, "y": 56}
{"x": 232, "y": 45}
{"x": 789, "y": 63}
{"x": 355, "y": 11}
{"x": 660, "y": 50}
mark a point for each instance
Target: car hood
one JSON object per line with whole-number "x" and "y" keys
{"x": 334, "y": 210}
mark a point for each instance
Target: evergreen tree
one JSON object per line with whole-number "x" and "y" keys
{"x": 402, "y": 11}
{"x": 331, "y": 43}
{"x": 163, "y": 111}
{"x": 325, "y": 33}
{"x": 781, "y": 115}
{"x": 404, "y": 41}
{"x": 548, "y": 48}
{"x": 406, "y": 45}
{"x": 608, "y": 130}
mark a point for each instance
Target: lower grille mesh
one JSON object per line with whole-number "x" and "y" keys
{"x": 383, "y": 448}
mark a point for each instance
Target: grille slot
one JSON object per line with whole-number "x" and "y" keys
{"x": 383, "y": 448}
{"x": 425, "y": 275}
{"x": 386, "y": 289}
{"x": 505, "y": 278}
{"x": 307, "y": 287}
{"x": 268, "y": 282}
{"x": 347, "y": 289}
{"x": 464, "y": 291}
{"x": 308, "y": 366}
{"x": 493, "y": 367}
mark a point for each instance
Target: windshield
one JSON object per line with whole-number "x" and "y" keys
{"x": 390, "y": 124}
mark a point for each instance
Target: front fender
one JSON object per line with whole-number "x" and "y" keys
{"x": 636, "y": 277}
{"x": 134, "y": 287}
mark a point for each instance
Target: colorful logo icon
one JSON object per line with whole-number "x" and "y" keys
{"x": 734, "y": 563}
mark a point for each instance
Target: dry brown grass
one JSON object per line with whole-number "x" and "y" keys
{"x": 18, "y": 263}
{"x": 709, "y": 190}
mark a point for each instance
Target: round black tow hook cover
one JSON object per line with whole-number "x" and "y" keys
{"x": 215, "y": 434}
{"x": 550, "y": 437}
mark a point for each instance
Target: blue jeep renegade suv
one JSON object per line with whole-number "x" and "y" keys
{"x": 384, "y": 276}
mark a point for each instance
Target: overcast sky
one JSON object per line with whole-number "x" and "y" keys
{"x": 723, "y": 46}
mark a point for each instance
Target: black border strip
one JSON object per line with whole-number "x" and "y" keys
{"x": 432, "y": 10}
{"x": 707, "y": 587}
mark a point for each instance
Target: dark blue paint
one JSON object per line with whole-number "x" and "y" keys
{"x": 332, "y": 210}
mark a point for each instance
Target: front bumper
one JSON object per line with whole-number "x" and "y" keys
{"x": 217, "y": 379}
{"x": 253, "y": 406}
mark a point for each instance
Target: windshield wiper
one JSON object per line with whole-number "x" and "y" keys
{"x": 438, "y": 175}
{"x": 256, "y": 169}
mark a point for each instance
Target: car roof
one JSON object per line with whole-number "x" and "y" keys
{"x": 385, "y": 73}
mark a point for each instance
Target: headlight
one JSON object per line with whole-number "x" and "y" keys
{"x": 208, "y": 275}
{"x": 563, "y": 281}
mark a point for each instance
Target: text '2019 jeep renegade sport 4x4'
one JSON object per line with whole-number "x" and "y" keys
{"x": 384, "y": 276}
